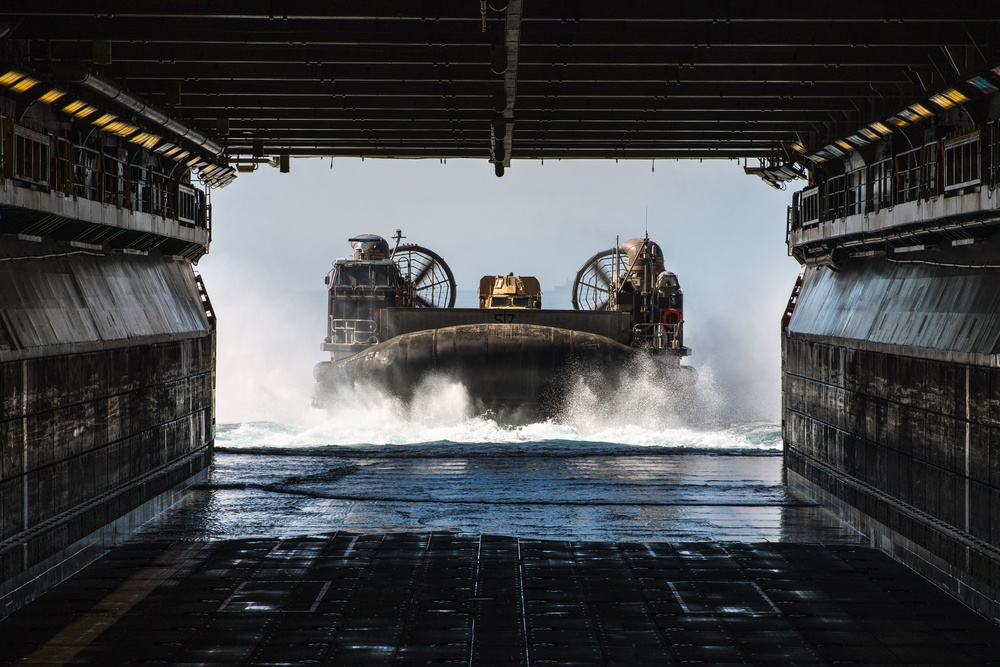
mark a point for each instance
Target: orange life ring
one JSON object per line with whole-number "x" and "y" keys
{"x": 672, "y": 311}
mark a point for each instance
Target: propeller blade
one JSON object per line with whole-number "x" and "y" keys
{"x": 423, "y": 272}
{"x": 603, "y": 275}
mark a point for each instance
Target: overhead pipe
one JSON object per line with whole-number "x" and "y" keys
{"x": 112, "y": 91}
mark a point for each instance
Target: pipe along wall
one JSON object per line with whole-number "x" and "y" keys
{"x": 106, "y": 386}
{"x": 891, "y": 413}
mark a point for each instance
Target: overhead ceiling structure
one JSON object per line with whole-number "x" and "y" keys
{"x": 508, "y": 79}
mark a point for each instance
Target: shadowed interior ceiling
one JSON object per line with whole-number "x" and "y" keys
{"x": 502, "y": 79}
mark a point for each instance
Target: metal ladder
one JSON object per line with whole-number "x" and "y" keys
{"x": 206, "y": 302}
{"x": 793, "y": 299}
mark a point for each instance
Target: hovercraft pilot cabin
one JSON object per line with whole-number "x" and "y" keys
{"x": 392, "y": 320}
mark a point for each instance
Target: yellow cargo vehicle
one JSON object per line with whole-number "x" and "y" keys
{"x": 510, "y": 291}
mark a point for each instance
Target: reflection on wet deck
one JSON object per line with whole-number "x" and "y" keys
{"x": 475, "y": 558}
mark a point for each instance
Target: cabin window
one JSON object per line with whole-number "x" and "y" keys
{"x": 345, "y": 276}
{"x": 500, "y": 301}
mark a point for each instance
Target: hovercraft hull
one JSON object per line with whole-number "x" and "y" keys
{"x": 503, "y": 367}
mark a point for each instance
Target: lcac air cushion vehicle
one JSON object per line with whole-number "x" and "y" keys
{"x": 392, "y": 322}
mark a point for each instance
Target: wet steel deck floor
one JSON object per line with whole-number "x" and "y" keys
{"x": 762, "y": 579}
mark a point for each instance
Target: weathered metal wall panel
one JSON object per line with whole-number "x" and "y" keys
{"x": 891, "y": 392}
{"x": 106, "y": 408}
{"x": 79, "y": 298}
{"x": 903, "y": 305}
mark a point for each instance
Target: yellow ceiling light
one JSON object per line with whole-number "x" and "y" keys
{"x": 920, "y": 110}
{"x": 843, "y": 144}
{"x": 79, "y": 109}
{"x": 145, "y": 139}
{"x": 104, "y": 119}
{"x": 868, "y": 134}
{"x": 23, "y": 85}
{"x": 180, "y": 156}
{"x": 209, "y": 169}
{"x": 51, "y": 96}
{"x": 173, "y": 151}
{"x": 120, "y": 128}
{"x": 85, "y": 111}
{"x": 798, "y": 147}
{"x": 74, "y": 106}
{"x": 955, "y": 96}
{"x": 881, "y": 128}
{"x": 899, "y": 121}
{"x": 10, "y": 78}
{"x": 942, "y": 101}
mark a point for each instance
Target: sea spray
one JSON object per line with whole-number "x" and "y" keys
{"x": 637, "y": 407}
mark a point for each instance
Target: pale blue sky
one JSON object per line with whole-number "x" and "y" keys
{"x": 275, "y": 236}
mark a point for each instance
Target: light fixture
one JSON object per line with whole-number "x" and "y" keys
{"x": 145, "y": 139}
{"x": 956, "y": 96}
{"x": 209, "y": 169}
{"x": 798, "y": 147}
{"x": 79, "y": 109}
{"x": 868, "y": 134}
{"x": 10, "y": 78}
{"x": 166, "y": 146}
{"x": 104, "y": 119}
{"x": 180, "y": 156}
{"x": 920, "y": 110}
{"x": 942, "y": 101}
{"x": 834, "y": 151}
{"x": 51, "y": 96}
{"x": 858, "y": 140}
{"x": 120, "y": 128}
{"x": 24, "y": 84}
{"x": 983, "y": 85}
{"x": 843, "y": 144}
{"x": 881, "y": 128}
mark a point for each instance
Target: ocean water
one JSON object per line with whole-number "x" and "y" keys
{"x": 626, "y": 460}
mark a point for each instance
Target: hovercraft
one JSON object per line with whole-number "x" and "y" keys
{"x": 392, "y": 322}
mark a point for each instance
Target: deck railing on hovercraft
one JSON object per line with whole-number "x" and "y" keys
{"x": 353, "y": 332}
{"x": 657, "y": 335}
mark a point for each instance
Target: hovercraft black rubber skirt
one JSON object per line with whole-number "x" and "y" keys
{"x": 502, "y": 366}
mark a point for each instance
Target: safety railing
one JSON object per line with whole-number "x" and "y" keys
{"x": 30, "y": 156}
{"x": 352, "y": 332}
{"x": 962, "y": 162}
{"x": 124, "y": 177}
{"x": 946, "y": 167}
{"x": 991, "y": 170}
{"x": 657, "y": 335}
{"x": 880, "y": 190}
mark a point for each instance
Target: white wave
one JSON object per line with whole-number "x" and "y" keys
{"x": 640, "y": 408}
